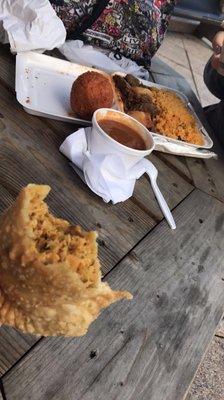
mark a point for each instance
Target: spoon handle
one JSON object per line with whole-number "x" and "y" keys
{"x": 163, "y": 204}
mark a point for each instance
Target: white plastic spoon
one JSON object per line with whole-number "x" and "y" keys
{"x": 150, "y": 169}
{"x": 153, "y": 173}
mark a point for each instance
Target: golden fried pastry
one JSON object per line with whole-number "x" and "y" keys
{"x": 50, "y": 279}
{"x": 90, "y": 91}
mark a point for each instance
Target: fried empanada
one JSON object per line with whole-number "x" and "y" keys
{"x": 50, "y": 279}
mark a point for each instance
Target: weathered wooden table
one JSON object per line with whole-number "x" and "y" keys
{"x": 148, "y": 348}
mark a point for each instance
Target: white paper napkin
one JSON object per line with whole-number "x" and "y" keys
{"x": 105, "y": 174}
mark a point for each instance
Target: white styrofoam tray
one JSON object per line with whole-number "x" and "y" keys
{"x": 43, "y": 86}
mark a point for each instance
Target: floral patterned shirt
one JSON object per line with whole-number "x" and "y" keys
{"x": 134, "y": 28}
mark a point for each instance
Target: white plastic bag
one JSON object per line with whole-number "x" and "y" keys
{"x": 79, "y": 53}
{"x": 31, "y": 25}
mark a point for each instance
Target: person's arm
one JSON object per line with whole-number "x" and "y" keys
{"x": 214, "y": 81}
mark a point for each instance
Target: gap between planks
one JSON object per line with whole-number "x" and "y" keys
{"x": 2, "y": 391}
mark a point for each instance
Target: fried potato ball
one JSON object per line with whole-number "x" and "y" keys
{"x": 89, "y": 92}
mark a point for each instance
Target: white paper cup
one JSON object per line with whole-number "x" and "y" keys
{"x": 99, "y": 142}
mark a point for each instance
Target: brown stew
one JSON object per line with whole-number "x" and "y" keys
{"x": 123, "y": 134}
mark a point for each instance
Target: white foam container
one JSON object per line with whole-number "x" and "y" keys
{"x": 43, "y": 86}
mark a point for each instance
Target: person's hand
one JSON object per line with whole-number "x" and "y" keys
{"x": 217, "y": 44}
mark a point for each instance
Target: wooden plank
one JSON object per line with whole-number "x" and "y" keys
{"x": 148, "y": 348}
{"x": 18, "y": 140}
{"x": 22, "y": 147}
{"x": 29, "y": 153}
{"x": 7, "y": 70}
{"x": 12, "y": 345}
{"x": 28, "y": 143}
{"x": 180, "y": 169}
{"x": 177, "y": 164}
{"x": 177, "y": 184}
{"x": 7, "y": 67}
{"x": 205, "y": 174}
